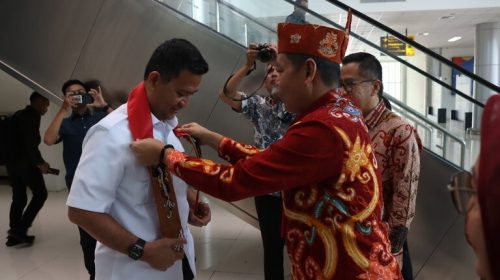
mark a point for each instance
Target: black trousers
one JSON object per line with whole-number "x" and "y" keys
{"x": 88, "y": 243}
{"x": 407, "y": 270}
{"x": 269, "y": 210}
{"x": 186, "y": 269}
{"x": 21, "y": 219}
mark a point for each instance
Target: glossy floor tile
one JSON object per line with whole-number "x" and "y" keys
{"x": 227, "y": 248}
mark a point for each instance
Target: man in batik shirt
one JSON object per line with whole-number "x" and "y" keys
{"x": 270, "y": 120}
{"x": 324, "y": 164}
{"x": 396, "y": 146}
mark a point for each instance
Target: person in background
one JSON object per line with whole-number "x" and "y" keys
{"x": 299, "y": 15}
{"x": 71, "y": 131}
{"x": 477, "y": 195}
{"x": 324, "y": 165}
{"x": 25, "y": 168}
{"x": 396, "y": 145}
{"x": 270, "y": 120}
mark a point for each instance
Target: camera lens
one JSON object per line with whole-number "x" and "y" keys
{"x": 265, "y": 55}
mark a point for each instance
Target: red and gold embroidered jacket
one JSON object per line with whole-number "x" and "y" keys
{"x": 332, "y": 197}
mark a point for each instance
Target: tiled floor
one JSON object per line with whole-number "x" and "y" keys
{"x": 227, "y": 248}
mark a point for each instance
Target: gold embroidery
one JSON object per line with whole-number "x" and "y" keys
{"x": 328, "y": 46}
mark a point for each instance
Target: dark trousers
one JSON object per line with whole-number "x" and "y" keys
{"x": 186, "y": 269}
{"x": 87, "y": 242}
{"x": 407, "y": 270}
{"x": 269, "y": 210}
{"x": 21, "y": 219}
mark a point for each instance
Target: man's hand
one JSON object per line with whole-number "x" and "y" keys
{"x": 147, "y": 151}
{"x": 199, "y": 132}
{"x": 252, "y": 54}
{"x": 98, "y": 99}
{"x": 200, "y": 216}
{"x": 44, "y": 168}
{"x": 160, "y": 254}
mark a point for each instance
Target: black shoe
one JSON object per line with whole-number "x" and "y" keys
{"x": 11, "y": 241}
{"x": 16, "y": 238}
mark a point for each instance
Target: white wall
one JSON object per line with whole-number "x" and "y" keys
{"x": 14, "y": 96}
{"x": 416, "y": 83}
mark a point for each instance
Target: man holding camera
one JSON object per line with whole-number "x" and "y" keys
{"x": 87, "y": 107}
{"x": 270, "y": 120}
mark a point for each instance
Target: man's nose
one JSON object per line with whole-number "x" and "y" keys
{"x": 184, "y": 102}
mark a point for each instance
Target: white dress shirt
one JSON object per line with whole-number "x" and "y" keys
{"x": 109, "y": 179}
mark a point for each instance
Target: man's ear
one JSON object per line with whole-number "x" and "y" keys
{"x": 376, "y": 87}
{"x": 310, "y": 69}
{"x": 152, "y": 79}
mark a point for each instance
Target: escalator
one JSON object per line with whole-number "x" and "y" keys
{"x": 111, "y": 40}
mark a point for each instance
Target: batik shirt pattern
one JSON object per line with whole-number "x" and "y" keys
{"x": 397, "y": 148}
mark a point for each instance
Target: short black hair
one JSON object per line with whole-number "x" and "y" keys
{"x": 329, "y": 71}
{"x": 71, "y": 82}
{"x": 35, "y": 95}
{"x": 369, "y": 67}
{"x": 173, "y": 56}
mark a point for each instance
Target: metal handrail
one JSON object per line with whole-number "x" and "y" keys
{"x": 395, "y": 57}
{"x": 415, "y": 44}
{"x": 433, "y": 125}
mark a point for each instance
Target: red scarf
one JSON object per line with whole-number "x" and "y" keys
{"x": 139, "y": 113}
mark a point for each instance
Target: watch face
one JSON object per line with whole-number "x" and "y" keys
{"x": 135, "y": 252}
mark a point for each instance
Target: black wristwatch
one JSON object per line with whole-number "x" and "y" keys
{"x": 136, "y": 250}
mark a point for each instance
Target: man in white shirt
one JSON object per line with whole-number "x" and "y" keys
{"x": 111, "y": 196}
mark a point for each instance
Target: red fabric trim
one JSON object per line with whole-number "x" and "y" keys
{"x": 139, "y": 113}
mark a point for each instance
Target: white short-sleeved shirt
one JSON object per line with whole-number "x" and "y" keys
{"x": 109, "y": 179}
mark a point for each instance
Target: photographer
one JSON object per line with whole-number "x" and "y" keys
{"x": 270, "y": 121}
{"x": 87, "y": 107}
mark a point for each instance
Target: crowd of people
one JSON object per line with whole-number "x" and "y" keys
{"x": 333, "y": 170}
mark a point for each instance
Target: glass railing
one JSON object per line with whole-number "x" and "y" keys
{"x": 424, "y": 83}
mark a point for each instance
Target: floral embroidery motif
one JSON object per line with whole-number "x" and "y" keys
{"x": 328, "y": 46}
{"x": 295, "y": 38}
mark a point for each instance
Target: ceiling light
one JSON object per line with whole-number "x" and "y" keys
{"x": 450, "y": 16}
{"x": 456, "y": 38}
{"x": 425, "y": 33}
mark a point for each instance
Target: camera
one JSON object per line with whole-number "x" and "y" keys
{"x": 53, "y": 171}
{"x": 83, "y": 98}
{"x": 265, "y": 53}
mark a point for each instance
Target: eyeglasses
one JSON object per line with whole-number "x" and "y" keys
{"x": 461, "y": 190}
{"x": 349, "y": 85}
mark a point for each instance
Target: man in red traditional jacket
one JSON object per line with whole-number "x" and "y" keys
{"x": 324, "y": 164}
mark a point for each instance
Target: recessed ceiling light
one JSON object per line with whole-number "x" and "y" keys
{"x": 452, "y": 16}
{"x": 425, "y": 33}
{"x": 456, "y": 38}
